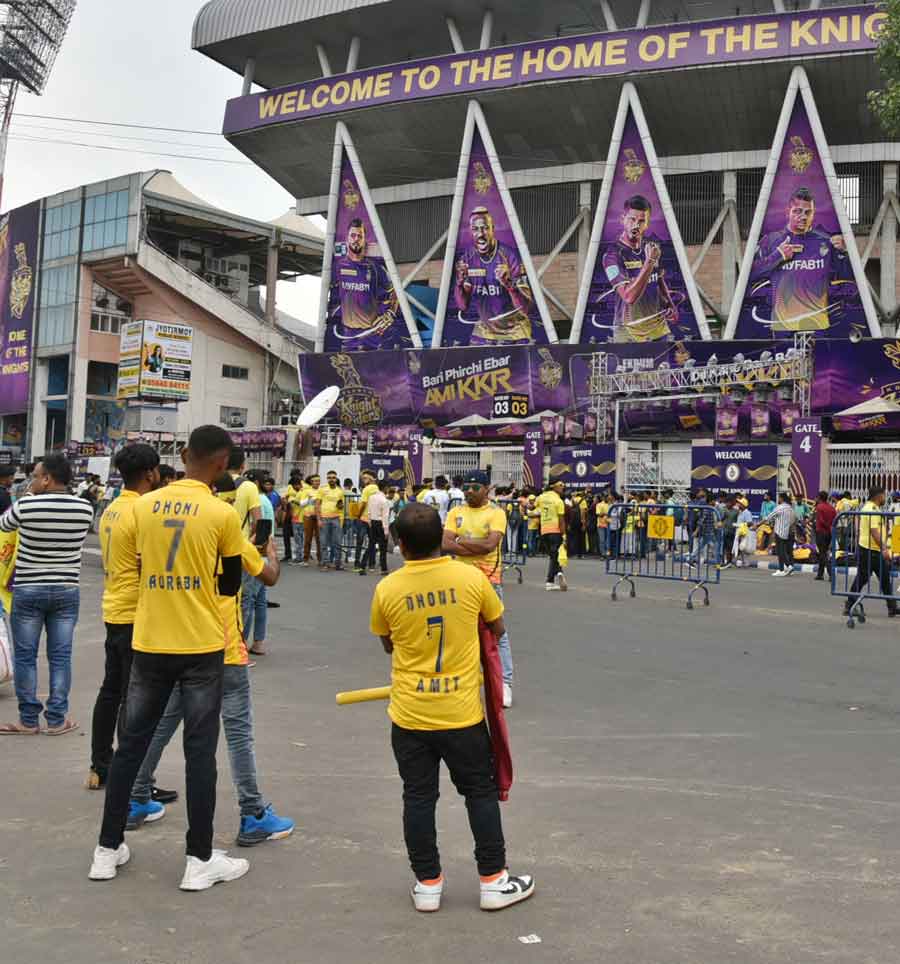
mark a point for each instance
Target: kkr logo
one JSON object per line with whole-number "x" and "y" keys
{"x": 633, "y": 167}
{"x": 801, "y": 156}
{"x": 351, "y": 195}
{"x": 481, "y": 180}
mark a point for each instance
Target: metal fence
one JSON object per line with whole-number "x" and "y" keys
{"x": 856, "y": 468}
{"x": 507, "y": 467}
{"x": 454, "y": 461}
{"x": 663, "y": 542}
{"x": 864, "y": 551}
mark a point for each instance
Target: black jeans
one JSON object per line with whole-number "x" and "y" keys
{"x": 287, "y": 534}
{"x": 554, "y": 541}
{"x": 377, "y": 540}
{"x": 872, "y": 563}
{"x": 362, "y": 534}
{"x": 785, "y": 551}
{"x": 111, "y": 695}
{"x": 467, "y": 753}
{"x": 823, "y": 548}
{"x": 153, "y": 675}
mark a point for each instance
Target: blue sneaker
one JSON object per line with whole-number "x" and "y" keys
{"x": 141, "y": 813}
{"x": 268, "y": 826}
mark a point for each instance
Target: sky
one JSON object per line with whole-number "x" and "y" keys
{"x": 130, "y": 61}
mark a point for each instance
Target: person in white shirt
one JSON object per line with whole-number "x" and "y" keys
{"x": 438, "y": 497}
{"x": 379, "y": 508}
{"x": 455, "y": 493}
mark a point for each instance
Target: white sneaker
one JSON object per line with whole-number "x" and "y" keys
{"x": 220, "y": 868}
{"x": 507, "y": 696}
{"x": 563, "y": 585}
{"x": 107, "y": 861}
{"x": 551, "y": 587}
{"x": 427, "y": 897}
{"x": 505, "y": 891}
{"x": 778, "y": 572}
{"x": 789, "y": 572}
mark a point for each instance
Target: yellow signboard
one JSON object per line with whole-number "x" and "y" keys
{"x": 661, "y": 527}
{"x": 895, "y": 539}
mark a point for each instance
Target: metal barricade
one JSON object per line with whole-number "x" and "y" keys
{"x": 864, "y": 551}
{"x": 516, "y": 561}
{"x": 675, "y": 543}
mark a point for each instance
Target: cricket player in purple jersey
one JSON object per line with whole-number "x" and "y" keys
{"x": 644, "y": 306}
{"x": 362, "y": 291}
{"x": 492, "y": 275}
{"x": 798, "y": 271}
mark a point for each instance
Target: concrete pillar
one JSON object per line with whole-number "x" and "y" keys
{"x": 353, "y": 55}
{"x": 78, "y": 398}
{"x": 455, "y": 38}
{"x": 729, "y": 243}
{"x": 487, "y": 27}
{"x": 272, "y": 275}
{"x": 37, "y": 416}
{"x": 584, "y": 231}
{"x": 249, "y": 72}
{"x": 888, "y": 292}
{"x": 324, "y": 62}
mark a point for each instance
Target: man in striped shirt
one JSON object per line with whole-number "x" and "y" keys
{"x": 782, "y": 521}
{"x": 52, "y": 527}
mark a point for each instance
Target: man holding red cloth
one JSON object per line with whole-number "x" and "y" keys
{"x": 427, "y": 615}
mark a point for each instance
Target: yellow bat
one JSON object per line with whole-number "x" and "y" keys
{"x": 363, "y": 696}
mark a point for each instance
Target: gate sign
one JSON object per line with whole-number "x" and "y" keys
{"x": 805, "y": 475}
{"x": 533, "y": 465}
{"x": 415, "y": 457}
{"x": 749, "y": 470}
{"x": 583, "y": 466}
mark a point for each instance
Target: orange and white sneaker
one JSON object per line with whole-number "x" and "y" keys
{"x": 426, "y": 895}
{"x": 502, "y": 890}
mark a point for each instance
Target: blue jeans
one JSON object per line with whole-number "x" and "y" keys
{"x": 602, "y": 539}
{"x": 297, "y": 530}
{"x": 33, "y": 609}
{"x": 237, "y": 721}
{"x": 331, "y": 541}
{"x": 532, "y": 541}
{"x": 506, "y": 660}
{"x": 253, "y": 608}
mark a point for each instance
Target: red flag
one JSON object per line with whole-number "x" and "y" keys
{"x": 493, "y": 699}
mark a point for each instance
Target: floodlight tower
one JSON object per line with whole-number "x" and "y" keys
{"x": 31, "y": 33}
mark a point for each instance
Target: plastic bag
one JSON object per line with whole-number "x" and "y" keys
{"x": 563, "y": 557}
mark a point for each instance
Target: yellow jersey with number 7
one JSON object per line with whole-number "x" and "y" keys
{"x": 430, "y": 609}
{"x": 182, "y": 531}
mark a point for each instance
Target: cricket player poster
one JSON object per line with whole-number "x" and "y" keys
{"x": 637, "y": 285}
{"x": 365, "y": 307}
{"x": 490, "y": 293}
{"x": 801, "y": 269}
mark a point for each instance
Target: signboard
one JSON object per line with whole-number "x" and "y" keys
{"x": 490, "y": 293}
{"x": 364, "y": 306}
{"x": 511, "y": 405}
{"x": 272, "y": 440}
{"x": 533, "y": 465}
{"x": 637, "y": 285}
{"x": 583, "y": 466}
{"x": 805, "y": 474}
{"x": 860, "y": 384}
{"x": 18, "y": 261}
{"x": 386, "y": 468}
{"x": 155, "y": 360}
{"x": 750, "y": 470}
{"x": 415, "y": 457}
{"x": 801, "y": 269}
{"x": 801, "y": 33}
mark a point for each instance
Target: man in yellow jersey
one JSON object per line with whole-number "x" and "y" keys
{"x": 330, "y": 515}
{"x": 368, "y": 488}
{"x": 311, "y": 486}
{"x": 874, "y": 552}
{"x": 473, "y": 533}
{"x": 259, "y": 821}
{"x": 246, "y": 495}
{"x": 534, "y": 523}
{"x": 139, "y": 467}
{"x": 292, "y": 527}
{"x": 189, "y": 544}
{"x": 601, "y": 509}
{"x": 552, "y": 511}
{"x": 427, "y": 617}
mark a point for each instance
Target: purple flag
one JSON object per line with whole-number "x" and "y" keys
{"x": 801, "y": 278}
{"x": 726, "y": 423}
{"x": 637, "y": 258}
{"x": 363, "y": 309}
{"x": 760, "y": 421}
{"x": 491, "y": 299}
{"x": 18, "y": 263}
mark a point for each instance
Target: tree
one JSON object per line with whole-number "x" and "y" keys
{"x": 885, "y": 103}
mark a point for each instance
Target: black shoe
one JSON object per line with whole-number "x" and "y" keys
{"x": 893, "y": 612}
{"x": 286, "y": 559}
{"x": 163, "y": 796}
{"x": 272, "y": 605}
{"x": 819, "y": 579}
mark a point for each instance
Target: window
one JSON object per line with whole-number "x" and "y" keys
{"x": 849, "y": 187}
{"x": 57, "y": 306}
{"x": 104, "y": 322}
{"x": 61, "y": 226}
{"x": 232, "y": 417}
{"x": 106, "y": 221}
{"x": 107, "y": 310}
{"x": 234, "y": 371}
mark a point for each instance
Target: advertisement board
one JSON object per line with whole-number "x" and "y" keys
{"x": 749, "y": 470}
{"x": 583, "y": 466}
{"x": 166, "y": 360}
{"x": 18, "y": 261}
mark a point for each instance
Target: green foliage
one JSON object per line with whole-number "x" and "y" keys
{"x": 885, "y": 103}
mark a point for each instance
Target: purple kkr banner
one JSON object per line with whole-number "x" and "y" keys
{"x": 750, "y": 470}
{"x": 363, "y": 310}
{"x": 638, "y": 292}
{"x": 726, "y": 424}
{"x": 583, "y": 466}
{"x": 451, "y": 384}
{"x": 859, "y": 385}
{"x": 533, "y": 459}
{"x": 806, "y": 33}
{"x": 491, "y": 300}
{"x": 386, "y": 468}
{"x": 805, "y": 473}
{"x": 18, "y": 261}
{"x": 760, "y": 421}
{"x": 801, "y": 277}
{"x": 272, "y": 440}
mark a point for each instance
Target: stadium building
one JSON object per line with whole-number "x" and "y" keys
{"x": 711, "y": 79}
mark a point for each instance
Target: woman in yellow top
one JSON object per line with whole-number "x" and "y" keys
{"x": 601, "y": 510}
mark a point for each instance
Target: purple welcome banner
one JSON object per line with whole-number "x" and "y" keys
{"x": 750, "y": 470}
{"x": 808, "y": 33}
{"x": 18, "y": 265}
